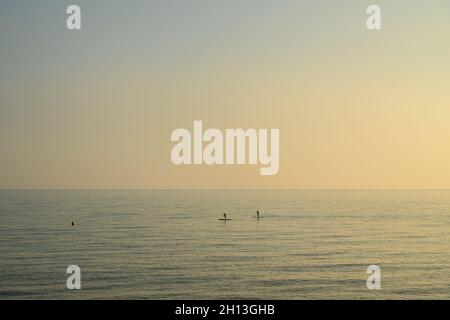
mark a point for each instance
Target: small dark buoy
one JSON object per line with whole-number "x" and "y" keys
{"x": 73, "y": 223}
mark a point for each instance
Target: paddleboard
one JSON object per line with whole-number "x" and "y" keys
{"x": 224, "y": 219}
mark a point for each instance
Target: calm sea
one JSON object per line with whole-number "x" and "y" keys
{"x": 171, "y": 245}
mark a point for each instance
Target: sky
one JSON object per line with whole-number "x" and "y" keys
{"x": 95, "y": 108}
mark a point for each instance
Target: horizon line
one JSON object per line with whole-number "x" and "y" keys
{"x": 225, "y": 189}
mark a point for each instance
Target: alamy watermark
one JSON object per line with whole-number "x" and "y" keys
{"x": 373, "y": 22}
{"x": 249, "y": 146}
{"x": 73, "y": 21}
{"x": 374, "y": 279}
{"x": 74, "y": 280}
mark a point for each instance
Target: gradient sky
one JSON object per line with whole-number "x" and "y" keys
{"x": 95, "y": 108}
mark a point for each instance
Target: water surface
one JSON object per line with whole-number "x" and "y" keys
{"x": 171, "y": 245}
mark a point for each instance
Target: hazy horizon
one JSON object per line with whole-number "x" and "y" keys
{"x": 214, "y": 189}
